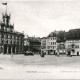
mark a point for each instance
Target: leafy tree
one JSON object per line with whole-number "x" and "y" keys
{"x": 61, "y": 37}
{"x": 73, "y": 34}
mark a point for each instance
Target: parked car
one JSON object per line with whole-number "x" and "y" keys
{"x": 28, "y": 53}
{"x": 62, "y": 51}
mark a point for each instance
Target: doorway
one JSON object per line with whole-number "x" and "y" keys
{"x": 77, "y": 53}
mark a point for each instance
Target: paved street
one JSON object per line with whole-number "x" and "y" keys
{"x": 38, "y": 68}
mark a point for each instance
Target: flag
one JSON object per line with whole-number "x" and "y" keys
{"x": 4, "y": 3}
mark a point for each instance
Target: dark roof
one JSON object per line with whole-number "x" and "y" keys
{"x": 53, "y": 34}
{"x": 19, "y": 33}
{"x": 44, "y": 38}
{"x": 34, "y": 39}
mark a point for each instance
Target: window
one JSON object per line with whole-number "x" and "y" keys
{"x": 51, "y": 43}
{"x": 0, "y": 34}
{"x": 2, "y": 41}
{"x": 6, "y": 36}
{"x": 11, "y": 42}
{"x": 7, "y": 41}
{"x": 18, "y": 42}
{"x": 11, "y": 36}
{"x": 18, "y": 37}
{"x": 11, "y": 29}
{"x": 14, "y": 37}
{"x": 76, "y": 46}
{"x": 0, "y": 26}
{"x": 48, "y": 47}
{"x": 22, "y": 38}
{"x": 14, "y": 42}
{"x": 55, "y": 38}
{"x": 21, "y": 43}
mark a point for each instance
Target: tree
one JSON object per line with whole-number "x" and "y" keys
{"x": 61, "y": 37}
{"x": 73, "y": 34}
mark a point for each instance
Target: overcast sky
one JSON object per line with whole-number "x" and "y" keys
{"x": 39, "y": 18}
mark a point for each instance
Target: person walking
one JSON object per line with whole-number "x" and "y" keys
{"x": 42, "y": 54}
{"x": 57, "y": 53}
{"x": 12, "y": 55}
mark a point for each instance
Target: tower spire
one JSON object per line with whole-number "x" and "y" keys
{"x": 6, "y": 17}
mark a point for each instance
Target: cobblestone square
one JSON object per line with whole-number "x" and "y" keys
{"x": 35, "y": 67}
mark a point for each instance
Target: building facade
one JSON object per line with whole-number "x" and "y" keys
{"x": 10, "y": 40}
{"x": 73, "y": 47}
{"x": 51, "y": 43}
{"x": 61, "y": 42}
{"x": 73, "y": 42}
{"x": 33, "y": 44}
{"x": 43, "y": 44}
{"x": 61, "y": 39}
{"x": 61, "y": 48}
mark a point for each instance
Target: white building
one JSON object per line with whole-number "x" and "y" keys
{"x": 51, "y": 43}
{"x": 73, "y": 42}
{"x": 26, "y": 42}
{"x": 73, "y": 47}
{"x": 61, "y": 48}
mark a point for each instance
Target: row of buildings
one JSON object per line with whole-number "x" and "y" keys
{"x": 12, "y": 41}
{"x": 32, "y": 44}
{"x": 56, "y": 42}
{"x": 62, "y": 42}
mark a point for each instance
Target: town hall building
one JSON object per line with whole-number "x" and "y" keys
{"x": 10, "y": 40}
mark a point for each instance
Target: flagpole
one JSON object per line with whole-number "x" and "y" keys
{"x": 6, "y": 8}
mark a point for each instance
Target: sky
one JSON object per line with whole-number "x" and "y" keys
{"x": 39, "y": 18}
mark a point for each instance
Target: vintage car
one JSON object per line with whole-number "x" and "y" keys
{"x": 28, "y": 53}
{"x": 63, "y": 51}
